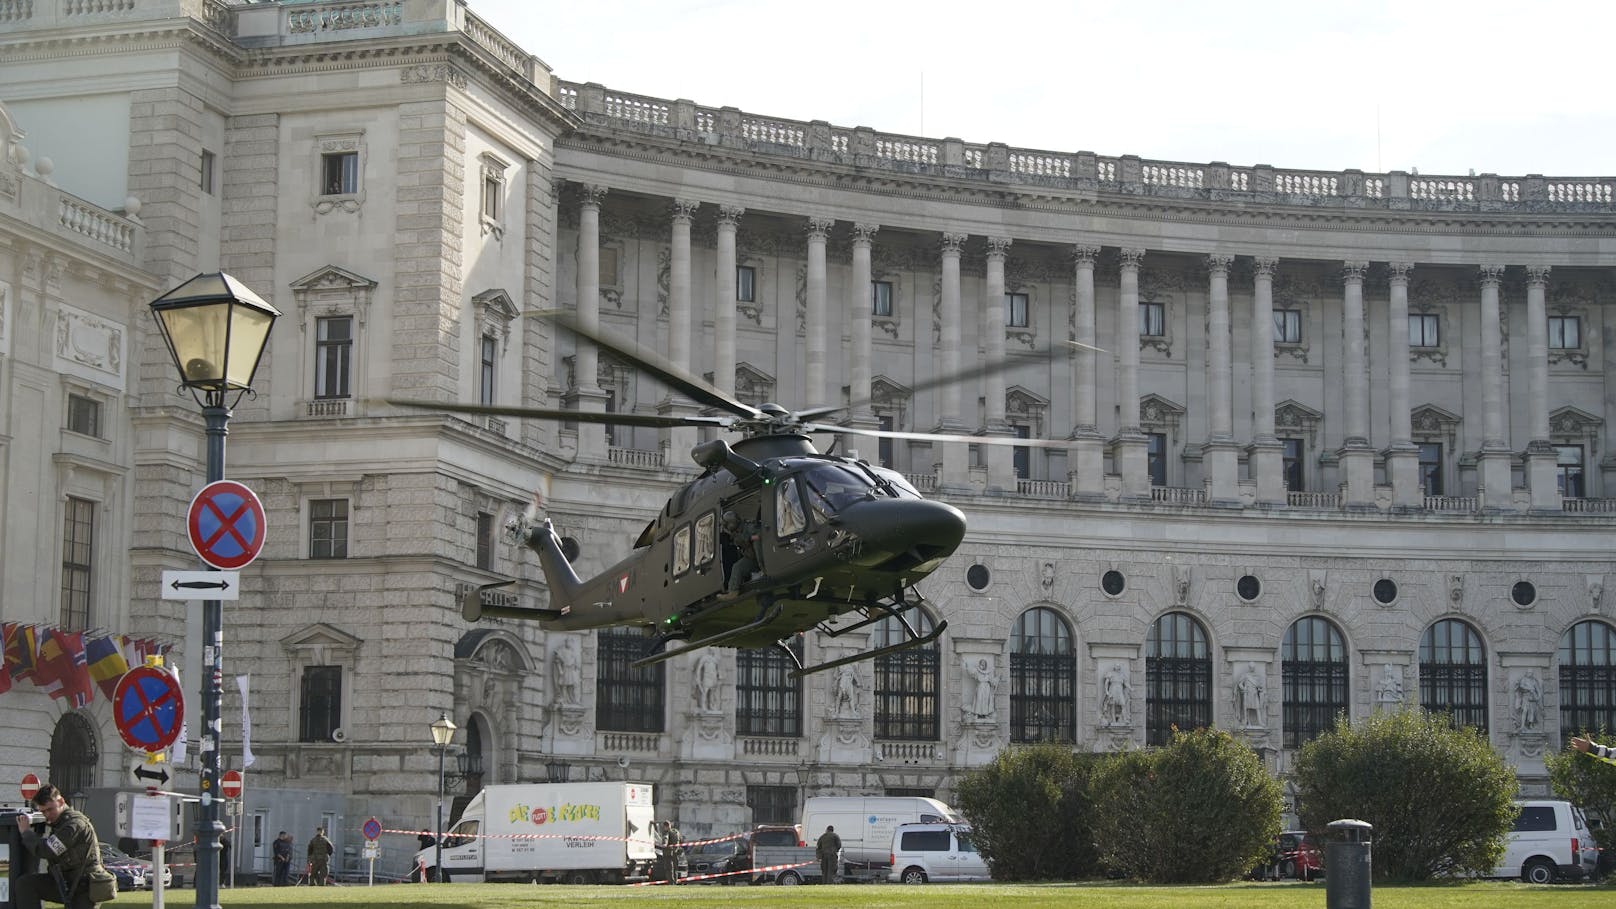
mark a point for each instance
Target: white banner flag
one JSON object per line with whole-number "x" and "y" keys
{"x": 246, "y": 722}
{"x": 177, "y": 757}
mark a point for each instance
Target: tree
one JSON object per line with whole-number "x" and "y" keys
{"x": 1029, "y": 812}
{"x": 1200, "y": 810}
{"x": 1588, "y": 782}
{"x": 1439, "y": 798}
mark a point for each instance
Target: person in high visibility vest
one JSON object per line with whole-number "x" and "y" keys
{"x": 1589, "y": 747}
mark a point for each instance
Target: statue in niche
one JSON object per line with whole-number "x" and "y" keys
{"x": 1248, "y": 695}
{"x": 1181, "y": 587}
{"x": 1114, "y": 690}
{"x": 1596, "y": 593}
{"x": 1318, "y": 593}
{"x": 1048, "y": 579}
{"x": 845, "y": 689}
{"x": 1528, "y": 699}
{"x": 705, "y": 676}
{"x": 568, "y": 672}
{"x": 1390, "y": 688}
{"x": 981, "y": 670}
{"x": 1455, "y": 588}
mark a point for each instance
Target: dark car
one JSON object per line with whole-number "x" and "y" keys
{"x": 721, "y": 857}
{"x": 130, "y": 871}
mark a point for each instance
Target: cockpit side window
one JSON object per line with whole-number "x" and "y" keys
{"x": 789, "y": 514}
{"x": 840, "y": 486}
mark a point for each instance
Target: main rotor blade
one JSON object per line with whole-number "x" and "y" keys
{"x": 978, "y": 371}
{"x": 571, "y": 416}
{"x": 652, "y": 362}
{"x": 938, "y": 436}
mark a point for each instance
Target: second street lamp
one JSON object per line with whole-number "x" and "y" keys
{"x": 443, "y": 730}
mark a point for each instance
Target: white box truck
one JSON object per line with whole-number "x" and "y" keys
{"x": 866, "y": 824}
{"x": 575, "y": 833}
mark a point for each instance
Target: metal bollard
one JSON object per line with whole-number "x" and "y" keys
{"x": 1348, "y": 868}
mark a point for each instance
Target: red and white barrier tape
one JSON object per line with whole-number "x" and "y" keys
{"x": 708, "y": 877}
{"x": 564, "y": 836}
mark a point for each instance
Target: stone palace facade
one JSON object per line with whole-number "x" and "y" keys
{"x": 1333, "y": 441}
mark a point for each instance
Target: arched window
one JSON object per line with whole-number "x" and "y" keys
{"x": 768, "y": 697}
{"x": 905, "y": 682}
{"x": 1043, "y": 679}
{"x": 1453, "y": 673}
{"x": 73, "y": 755}
{"x": 1587, "y": 678}
{"x": 1178, "y": 678}
{"x": 1315, "y": 659}
{"x": 626, "y": 699}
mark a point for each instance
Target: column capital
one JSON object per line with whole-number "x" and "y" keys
{"x": 1537, "y": 274}
{"x": 1218, "y": 264}
{"x": 1264, "y": 266}
{"x": 1131, "y": 257}
{"x": 1083, "y": 255}
{"x": 1352, "y": 271}
{"x": 1491, "y": 275}
{"x": 818, "y": 228}
{"x": 997, "y": 247}
{"x": 1399, "y": 271}
{"x": 684, "y": 209}
{"x": 952, "y": 243}
{"x": 593, "y": 193}
{"x": 864, "y": 233}
{"x": 730, "y": 215}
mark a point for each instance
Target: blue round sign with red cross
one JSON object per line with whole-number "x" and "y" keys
{"x": 148, "y": 709}
{"x": 226, "y": 525}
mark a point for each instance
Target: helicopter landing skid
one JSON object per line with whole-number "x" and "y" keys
{"x": 883, "y": 611}
{"x": 658, "y": 647}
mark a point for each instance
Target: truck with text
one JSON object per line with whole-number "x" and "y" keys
{"x": 575, "y": 833}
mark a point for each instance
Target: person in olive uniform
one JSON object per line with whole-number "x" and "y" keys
{"x": 829, "y": 850}
{"x": 319, "y": 858}
{"x": 69, "y": 847}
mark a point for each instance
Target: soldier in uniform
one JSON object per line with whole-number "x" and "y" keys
{"x": 69, "y": 847}
{"x": 319, "y": 858}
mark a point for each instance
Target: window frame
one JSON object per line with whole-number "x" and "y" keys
{"x": 327, "y": 545}
{"x": 1427, "y": 470}
{"x": 1017, "y": 309}
{"x": 485, "y": 541}
{"x": 333, "y": 359}
{"x": 1046, "y": 709}
{"x": 1453, "y": 673}
{"x": 1306, "y": 713}
{"x": 1156, "y": 460}
{"x": 881, "y": 299}
{"x": 1293, "y": 463}
{"x": 1287, "y": 326}
{"x": 768, "y": 693}
{"x": 1152, "y": 314}
{"x": 83, "y": 416}
{"x": 488, "y": 368}
{"x": 745, "y": 284}
{"x": 1570, "y": 477}
{"x": 1424, "y": 327}
{"x": 908, "y": 703}
{"x": 628, "y": 699}
{"x": 76, "y": 606}
{"x": 1178, "y": 685}
{"x": 1564, "y": 320}
{"x": 1586, "y": 663}
{"x": 207, "y": 170}
{"x": 330, "y": 702}
{"x": 339, "y": 173}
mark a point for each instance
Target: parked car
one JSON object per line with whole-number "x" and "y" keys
{"x": 1550, "y": 841}
{"x": 130, "y": 871}
{"x": 924, "y": 853}
{"x": 1298, "y": 855}
{"x": 721, "y": 857}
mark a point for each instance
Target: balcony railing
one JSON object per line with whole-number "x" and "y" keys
{"x": 1177, "y": 495}
{"x": 1450, "y": 503}
{"x": 635, "y": 457}
{"x": 1313, "y": 499}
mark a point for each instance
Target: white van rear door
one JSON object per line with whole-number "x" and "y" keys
{"x": 968, "y": 863}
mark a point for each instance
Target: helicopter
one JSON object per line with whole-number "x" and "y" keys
{"x": 835, "y": 543}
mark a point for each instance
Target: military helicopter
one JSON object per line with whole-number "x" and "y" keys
{"x": 836, "y": 543}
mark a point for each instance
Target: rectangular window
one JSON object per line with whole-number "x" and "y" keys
{"x": 78, "y": 537}
{"x": 881, "y": 298}
{"x": 1569, "y": 471}
{"x": 608, "y": 266}
{"x": 772, "y": 804}
{"x": 1431, "y": 468}
{"x": 1156, "y": 458}
{"x": 485, "y": 541}
{"x": 339, "y": 173}
{"x": 681, "y": 550}
{"x": 1287, "y": 326}
{"x": 627, "y": 699}
{"x": 84, "y": 415}
{"x": 328, "y": 529}
{"x": 768, "y": 695}
{"x": 745, "y": 284}
{"x": 1293, "y": 465}
{"x": 883, "y": 445}
{"x": 1015, "y": 310}
{"x": 493, "y": 190}
{"x": 205, "y": 178}
{"x": 319, "y": 703}
{"x": 1152, "y": 320}
{"x": 1565, "y": 332}
{"x": 333, "y": 356}
{"x": 1021, "y": 455}
{"x": 1423, "y": 329}
{"x": 485, "y": 377}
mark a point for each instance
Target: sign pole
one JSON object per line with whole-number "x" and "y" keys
{"x": 208, "y": 828}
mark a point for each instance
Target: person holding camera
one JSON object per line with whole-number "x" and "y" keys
{"x": 72, "y": 853}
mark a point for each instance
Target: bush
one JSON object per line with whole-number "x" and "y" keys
{"x": 1201, "y": 810}
{"x": 1439, "y": 797}
{"x": 1029, "y": 811}
{"x": 1588, "y": 782}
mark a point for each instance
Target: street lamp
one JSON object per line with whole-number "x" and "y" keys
{"x": 443, "y": 730}
{"x": 215, "y": 330}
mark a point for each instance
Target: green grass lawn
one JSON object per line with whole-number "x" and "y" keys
{"x": 1489, "y": 895}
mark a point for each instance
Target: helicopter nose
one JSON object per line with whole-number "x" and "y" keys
{"x": 903, "y": 533}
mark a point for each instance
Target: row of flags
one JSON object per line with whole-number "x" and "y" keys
{"x": 71, "y": 664}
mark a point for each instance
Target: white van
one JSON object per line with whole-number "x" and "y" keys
{"x": 1551, "y": 841}
{"x": 935, "y": 852}
{"x": 866, "y": 824}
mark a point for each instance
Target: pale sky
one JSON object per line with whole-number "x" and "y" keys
{"x": 1446, "y": 87}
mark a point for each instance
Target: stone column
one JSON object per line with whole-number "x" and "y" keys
{"x": 1496, "y": 492}
{"x": 680, "y": 439}
{"x": 1541, "y": 461}
{"x": 818, "y": 316}
{"x": 999, "y": 458}
{"x": 952, "y": 458}
{"x": 1129, "y": 446}
{"x": 1266, "y": 453}
{"x": 858, "y": 320}
{"x": 586, "y": 391}
{"x": 729, "y": 219}
{"x": 1219, "y": 453}
{"x": 1087, "y": 474}
{"x": 1402, "y": 456}
{"x": 1357, "y": 457}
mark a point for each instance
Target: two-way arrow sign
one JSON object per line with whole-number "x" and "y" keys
{"x": 201, "y": 585}
{"x": 158, "y": 777}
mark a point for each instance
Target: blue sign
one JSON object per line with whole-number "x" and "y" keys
{"x": 148, "y": 709}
